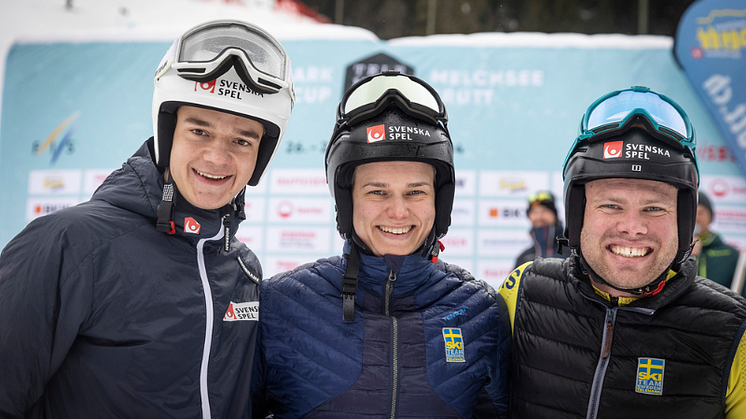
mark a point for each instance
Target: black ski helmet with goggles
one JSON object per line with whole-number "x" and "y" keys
{"x": 635, "y": 134}
{"x": 228, "y": 66}
{"x": 387, "y": 117}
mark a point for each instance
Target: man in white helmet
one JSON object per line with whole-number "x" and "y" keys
{"x": 141, "y": 303}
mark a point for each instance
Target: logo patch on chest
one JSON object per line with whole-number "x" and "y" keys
{"x": 454, "y": 343}
{"x": 248, "y": 311}
{"x": 650, "y": 376}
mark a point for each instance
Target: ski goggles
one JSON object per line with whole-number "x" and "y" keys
{"x": 208, "y": 51}
{"x": 618, "y": 111}
{"x": 371, "y": 95}
{"x": 540, "y": 197}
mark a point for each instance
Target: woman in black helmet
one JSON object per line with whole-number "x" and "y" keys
{"x": 386, "y": 329}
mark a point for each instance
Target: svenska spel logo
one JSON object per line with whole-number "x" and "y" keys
{"x": 208, "y": 86}
{"x": 191, "y": 225}
{"x": 248, "y": 311}
{"x": 650, "y": 376}
{"x": 376, "y": 133}
{"x": 454, "y": 343}
{"x": 613, "y": 149}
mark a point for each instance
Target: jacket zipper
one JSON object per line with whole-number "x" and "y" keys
{"x": 394, "y": 342}
{"x": 603, "y": 363}
{"x": 209, "y": 319}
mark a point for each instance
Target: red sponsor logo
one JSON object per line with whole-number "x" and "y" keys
{"x": 613, "y": 149}
{"x": 208, "y": 86}
{"x": 191, "y": 225}
{"x": 285, "y": 209}
{"x": 376, "y": 133}
{"x": 719, "y": 188}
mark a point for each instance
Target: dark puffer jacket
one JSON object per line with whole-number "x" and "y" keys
{"x": 576, "y": 355}
{"x": 427, "y": 341}
{"x": 104, "y": 316}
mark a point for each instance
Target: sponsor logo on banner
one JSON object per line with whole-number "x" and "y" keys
{"x": 650, "y": 376}
{"x": 191, "y": 225}
{"x": 306, "y": 240}
{"x": 466, "y": 182}
{"x": 307, "y": 210}
{"x": 37, "y": 207}
{"x": 273, "y": 265}
{"x": 454, "y": 344}
{"x": 248, "y": 311}
{"x": 312, "y": 84}
{"x": 730, "y": 189}
{"x": 502, "y": 243}
{"x": 376, "y": 133}
{"x": 729, "y": 219}
{"x": 494, "y": 271}
{"x": 57, "y": 182}
{"x": 54, "y": 146}
{"x": 458, "y": 242}
{"x": 251, "y": 236}
{"x": 462, "y": 213}
{"x": 503, "y": 213}
{"x": 299, "y": 182}
{"x": 613, "y": 149}
{"x": 512, "y": 184}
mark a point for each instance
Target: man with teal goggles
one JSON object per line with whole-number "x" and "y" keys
{"x": 624, "y": 328}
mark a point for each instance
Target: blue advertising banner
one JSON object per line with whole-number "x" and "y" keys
{"x": 710, "y": 47}
{"x": 74, "y": 111}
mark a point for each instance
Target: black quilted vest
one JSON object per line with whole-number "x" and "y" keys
{"x": 578, "y": 356}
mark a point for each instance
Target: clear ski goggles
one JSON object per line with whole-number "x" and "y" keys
{"x": 619, "y": 110}
{"x": 371, "y": 95}
{"x": 208, "y": 51}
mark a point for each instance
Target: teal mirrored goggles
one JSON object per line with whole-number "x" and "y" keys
{"x": 617, "y": 110}
{"x": 372, "y": 95}
{"x": 208, "y": 51}
{"x": 615, "y": 113}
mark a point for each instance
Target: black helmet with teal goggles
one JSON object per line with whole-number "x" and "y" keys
{"x": 635, "y": 134}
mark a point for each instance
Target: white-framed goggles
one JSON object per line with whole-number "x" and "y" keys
{"x": 209, "y": 50}
{"x": 371, "y": 95}
{"x": 615, "y": 111}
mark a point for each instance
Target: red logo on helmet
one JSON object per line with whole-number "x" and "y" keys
{"x": 208, "y": 86}
{"x": 613, "y": 149}
{"x": 376, "y": 133}
{"x": 191, "y": 225}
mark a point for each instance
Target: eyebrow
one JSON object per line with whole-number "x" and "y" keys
{"x": 385, "y": 185}
{"x": 203, "y": 123}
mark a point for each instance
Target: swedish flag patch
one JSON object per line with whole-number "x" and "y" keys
{"x": 454, "y": 342}
{"x": 650, "y": 376}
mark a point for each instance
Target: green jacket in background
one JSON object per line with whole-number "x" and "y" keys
{"x": 717, "y": 260}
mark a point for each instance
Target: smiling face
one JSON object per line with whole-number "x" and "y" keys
{"x": 630, "y": 234}
{"x": 213, "y": 155}
{"x": 393, "y": 205}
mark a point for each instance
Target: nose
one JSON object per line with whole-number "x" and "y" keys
{"x": 632, "y": 223}
{"x": 217, "y": 152}
{"x": 397, "y": 208}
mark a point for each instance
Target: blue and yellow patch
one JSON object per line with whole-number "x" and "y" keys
{"x": 454, "y": 342}
{"x": 650, "y": 376}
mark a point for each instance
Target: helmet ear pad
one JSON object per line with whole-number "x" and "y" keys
{"x": 166, "y": 128}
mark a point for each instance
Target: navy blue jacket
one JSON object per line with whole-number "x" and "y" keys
{"x": 102, "y": 316}
{"x": 427, "y": 341}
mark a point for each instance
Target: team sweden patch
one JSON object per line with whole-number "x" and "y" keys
{"x": 650, "y": 376}
{"x": 454, "y": 344}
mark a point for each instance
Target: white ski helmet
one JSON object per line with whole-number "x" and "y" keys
{"x": 228, "y": 66}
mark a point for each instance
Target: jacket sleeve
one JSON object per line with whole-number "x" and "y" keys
{"x": 43, "y": 303}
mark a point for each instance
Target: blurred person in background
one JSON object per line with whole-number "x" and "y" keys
{"x": 546, "y": 227}
{"x": 141, "y": 303}
{"x": 387, "y": 329}
{"x": 715, "y": 259}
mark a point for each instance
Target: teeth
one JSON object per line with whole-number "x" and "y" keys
{"x": 210, "y": 176}
{"x": 629, "y": 252}
{"x": 400, "y": 230}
